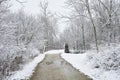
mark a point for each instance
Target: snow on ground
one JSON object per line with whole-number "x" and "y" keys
{"x": 89, "y": 61}
{"x": 79, "y": 61}
{"x": 54, "y": 52}
{"x": 104, "y": 65}
{"x": 28, "y": 69}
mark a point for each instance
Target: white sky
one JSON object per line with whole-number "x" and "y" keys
{"x": 32, "y": 7}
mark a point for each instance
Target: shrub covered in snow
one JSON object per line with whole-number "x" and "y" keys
{"x": 108, "y": 58}
{"x": 12, "y": 57}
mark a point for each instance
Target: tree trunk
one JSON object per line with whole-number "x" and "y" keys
{"x": 94, "y": 27}
{"x": 83, "y": 35}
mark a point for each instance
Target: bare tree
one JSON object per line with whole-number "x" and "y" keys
{"x": 94, "y": 27}
{"x": 111, "y": 9}
{"x": 49, "y": 22}
{"x": 77, "y": 18}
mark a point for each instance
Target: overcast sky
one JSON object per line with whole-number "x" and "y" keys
{"x": 32, "y": 6}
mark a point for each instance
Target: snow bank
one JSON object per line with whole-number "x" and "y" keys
{"x": 28, "y": 69}
{"x": 79, "y": 61}
{"x": 93, "y": 64}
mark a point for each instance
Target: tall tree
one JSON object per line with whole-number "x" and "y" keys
{"x": 49, "y": 23}
{"x": 92, "y": 21}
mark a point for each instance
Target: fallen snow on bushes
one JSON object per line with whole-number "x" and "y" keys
{"x": 104, "y": 65}
{"x": 28, "y": 69}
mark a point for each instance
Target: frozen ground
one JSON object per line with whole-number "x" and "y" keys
{"x": 54, "y": 52}
{"x": 99, "y": 66}
{"x": 53, "y": 67}
{"x": 104, "y": 65}
{"x": 28, "y": 69}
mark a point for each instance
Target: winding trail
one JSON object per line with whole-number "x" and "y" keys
{"x": 53, "y": 67}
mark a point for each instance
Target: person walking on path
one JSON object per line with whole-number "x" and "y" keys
{"x": 66, "y": 48}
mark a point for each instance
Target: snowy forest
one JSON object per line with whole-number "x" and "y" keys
{"x": 91, "y": 25}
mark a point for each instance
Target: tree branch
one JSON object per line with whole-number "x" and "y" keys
{"x": 104, "y": 5}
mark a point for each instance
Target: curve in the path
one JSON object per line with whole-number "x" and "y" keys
{"x": 53, "y": 67}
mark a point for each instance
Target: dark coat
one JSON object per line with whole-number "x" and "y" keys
{"x": 66, "y": 48}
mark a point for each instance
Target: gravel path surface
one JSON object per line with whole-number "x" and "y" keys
{"x": 53, "y": 67}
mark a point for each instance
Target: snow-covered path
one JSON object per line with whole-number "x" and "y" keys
{"x": 53, "y": 67}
